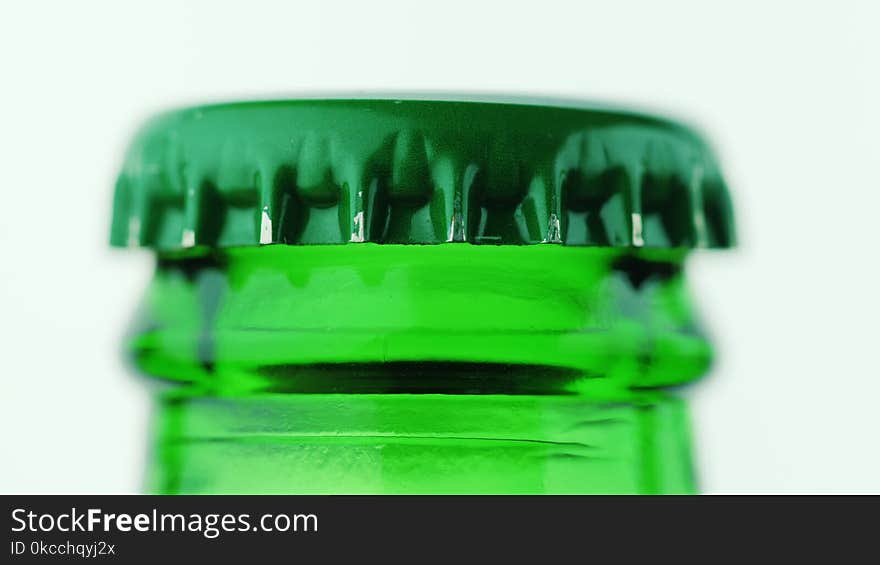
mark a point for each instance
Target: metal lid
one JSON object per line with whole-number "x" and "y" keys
{"x": 417, "y": 172}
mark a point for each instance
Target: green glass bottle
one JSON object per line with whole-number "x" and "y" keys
{"x": 404, "y": 296}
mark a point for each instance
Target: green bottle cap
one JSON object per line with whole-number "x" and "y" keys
{"x": 418, "y": 172}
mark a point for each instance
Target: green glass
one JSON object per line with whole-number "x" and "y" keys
{"x": 419, "y": 296}
{"x": 420, "y": 369}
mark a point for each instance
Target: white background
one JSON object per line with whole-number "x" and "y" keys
{"x": 788, "y": 92}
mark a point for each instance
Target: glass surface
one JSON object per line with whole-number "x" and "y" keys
{"x": 448, "y": 368}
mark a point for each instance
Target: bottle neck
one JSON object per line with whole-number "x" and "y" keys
{"x": 405, "y": 369}
{"x": 421, "y": 443}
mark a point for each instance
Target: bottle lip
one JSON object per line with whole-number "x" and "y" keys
{"x": 588, "y": 316}
{"x": 415, "y": 170}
